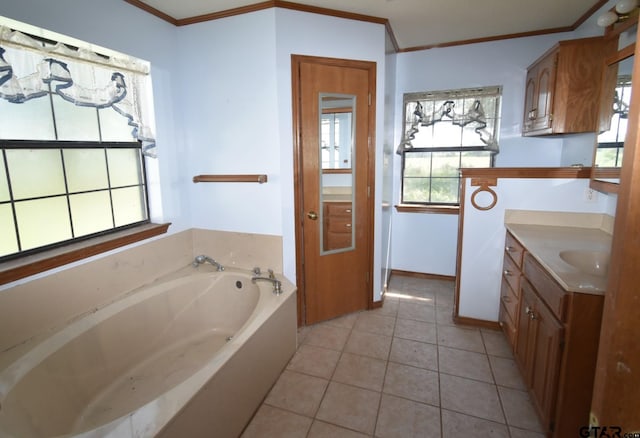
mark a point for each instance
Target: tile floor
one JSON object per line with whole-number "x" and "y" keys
{"x": 404, "y": 370}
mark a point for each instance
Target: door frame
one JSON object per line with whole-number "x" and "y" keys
{"x": 370, "y": 68}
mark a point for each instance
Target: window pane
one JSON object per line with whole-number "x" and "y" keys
{"x": 75, "y": 122}
{"x": 31, "y": 120}
{"x": 91, "y": 213}
{"x": 128, "y": 205}
{"x": 4, "y": 185}
{"x": 43, "y": 221}
{"x": 114, "y": 127}
{"x": 444, "y": 190}
{"x": 417, "y": 164}
{"x": 446, "y": 164}
{"x": 446, "y": 134}
{"x": 416, "y": 190}
{"x": 606, "y": 157}
{"x": 475, "y": 159}
{"x": 86, "y": 169}
{"x": 124, "y": 167}
{"x": 8, "y": 241}
{"x": 35, "y": 172}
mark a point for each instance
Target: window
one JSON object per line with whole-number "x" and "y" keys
{"x": 443, "y": 132}
{"x": 611, "y": 142}
{"x": 72, "y": 145}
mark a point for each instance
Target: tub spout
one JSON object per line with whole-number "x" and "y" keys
{"x": 277, "y": 284}
{"x": 201, "y": 259}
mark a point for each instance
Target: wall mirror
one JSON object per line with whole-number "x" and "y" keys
{"x": 615, "y": 100}
{"x": 337, "y": 137}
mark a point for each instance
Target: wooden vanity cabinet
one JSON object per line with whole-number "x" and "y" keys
{"x": 337, "y": 225}
{"x": 556, "y": 349}
{"x": 510, "y": 289}
{"x": 562, "y": 91}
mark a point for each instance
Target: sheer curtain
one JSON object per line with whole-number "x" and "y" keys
{"x": 31, "y": 68}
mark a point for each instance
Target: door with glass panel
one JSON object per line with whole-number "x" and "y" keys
{"x": 333, "y": 122}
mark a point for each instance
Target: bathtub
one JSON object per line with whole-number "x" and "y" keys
{"x": 191, "y": 355}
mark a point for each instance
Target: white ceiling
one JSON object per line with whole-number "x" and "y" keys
{"x": 419, "y": 23}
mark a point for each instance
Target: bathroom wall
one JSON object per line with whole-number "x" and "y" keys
{"x": 426, "y": 242}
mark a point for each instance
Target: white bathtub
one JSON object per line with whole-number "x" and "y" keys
{"x": 192, "y": 355}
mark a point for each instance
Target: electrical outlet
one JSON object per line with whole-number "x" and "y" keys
{"x": 590, "y": 195}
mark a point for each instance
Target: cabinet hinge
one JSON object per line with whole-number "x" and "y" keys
{"x": 369, "y": 99}
{"x": 550, "y": 117}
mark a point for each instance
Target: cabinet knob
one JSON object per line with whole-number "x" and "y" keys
{"x": 507, "y": 273}
{"x": 532, "y": 316}
{"x": 347, "y": 225}
{"x": 506, "y": 298}
{"x": 348, "y": 210}
{"x": 509, "y": 248}
{"x": 312, "y": 215}
{"x": 528, "y": 310}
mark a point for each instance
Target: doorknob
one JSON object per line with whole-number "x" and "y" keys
{"x": 312, "y": 215}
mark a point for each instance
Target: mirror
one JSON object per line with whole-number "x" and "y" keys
{"x": 337, "y": 137}
{"x": 615, "y": 100}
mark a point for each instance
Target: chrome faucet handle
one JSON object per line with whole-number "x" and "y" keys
{"x": 257, "y": 270}
{"x": 271, "y": 274}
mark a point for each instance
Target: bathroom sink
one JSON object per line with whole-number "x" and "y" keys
{"x": 589, "y": 262}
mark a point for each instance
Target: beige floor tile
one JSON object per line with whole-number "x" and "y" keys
{"x": 316, "y": 361}
{"x": 496, "y": 343}
{"x": 415, "y": 330}
{"x": 389, "y": 308}
{"x": 297, "y": 392}
{"x": 364, "y": 372}
{"x": 455, "y": 425}
{"x": 413, "y": 383}
{"x": 444, "y": 315}
{"x": 464, "y": 363}
{"x": 320, "y": 429}
{"x": 372, "y": 323}
{"x": 302, "y": 334}
{"x": 518, "y": 409}
{"x": 521, "y": 433}
{"x": 414, "y": 353}
{"x": 444, "y": 299}
{"x": 350, "y": 407}
{"x": 274, "y": 422}
{"x": 506, "y": 372}
{"x": 471, "y": 397}
{"x": 369, "y": 344}
{"x": 402, "y": 418}
{"x": 327, "y": 336}
{"x": 418, "y": 311}
{"x": 460, "y": 338}
{"x": 346, "y": 321}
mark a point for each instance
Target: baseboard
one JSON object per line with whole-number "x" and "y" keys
{"x": 480, "y": 323}
{"x": 423, "y": 275}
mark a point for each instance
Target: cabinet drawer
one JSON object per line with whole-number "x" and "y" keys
{"x": 339, "y": 225}
{"x": 511, "y": 273}
{"x": 509, "y": 300}
{"x": 551, "y": 292}
{"x": 514, "y": 249}
{"x": 508, "y": 326}
{"x": 339, "y": 209}
{"x": 338, "y": 240}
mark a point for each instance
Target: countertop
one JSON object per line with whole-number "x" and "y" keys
{"x": 545, "y": 242}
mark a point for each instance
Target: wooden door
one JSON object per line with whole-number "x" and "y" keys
{"x": 333, "y": 280}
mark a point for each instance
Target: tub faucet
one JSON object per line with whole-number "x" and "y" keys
{"x": 201, "y": 259}
{"x": 277, "y": 284}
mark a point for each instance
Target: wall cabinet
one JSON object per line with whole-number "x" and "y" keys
{"x": 555, "y": 341}
{"x": 562, "y": 91}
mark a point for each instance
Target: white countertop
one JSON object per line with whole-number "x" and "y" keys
{"x": 545, "y": 242}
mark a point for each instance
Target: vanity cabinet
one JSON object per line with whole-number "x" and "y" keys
{"x": 337, "y": 225}
{"x": 557, "y": 336}
{"x": 562, "y": 91}
{"x": 510, "y": 288}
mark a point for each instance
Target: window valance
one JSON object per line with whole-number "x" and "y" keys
{"x": 31, "y": 68}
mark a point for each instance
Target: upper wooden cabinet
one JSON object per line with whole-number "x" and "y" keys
{"x": 562, "y": 94}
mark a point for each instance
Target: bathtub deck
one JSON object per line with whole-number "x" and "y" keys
{"x": 149, "y": 379}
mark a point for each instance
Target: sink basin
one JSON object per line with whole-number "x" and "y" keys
{"x": 589, "y": 262}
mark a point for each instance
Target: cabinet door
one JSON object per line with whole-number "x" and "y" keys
{"x": 530, "y": 100}
{"x": 526, "y": 341}
{"x": 546, "y": 78}
{"x": 546, "y": 360}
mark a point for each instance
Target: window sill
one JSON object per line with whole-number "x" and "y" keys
{"x": 437, "y": 209}
{"x": 23, "y": 267}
